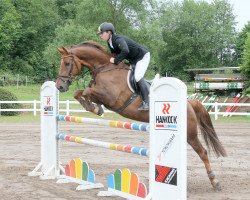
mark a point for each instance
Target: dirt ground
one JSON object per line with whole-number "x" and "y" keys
{"x": 20, "y": 153}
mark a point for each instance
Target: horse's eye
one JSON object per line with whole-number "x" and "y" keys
{"x": 66, "y": 64}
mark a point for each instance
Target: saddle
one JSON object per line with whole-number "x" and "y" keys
{"x": 132, "y": 84}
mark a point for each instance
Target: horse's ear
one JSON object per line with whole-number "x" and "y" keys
{"x": 63, "y": 50}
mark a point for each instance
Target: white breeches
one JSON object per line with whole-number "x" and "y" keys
{"x": 141, "y": 67}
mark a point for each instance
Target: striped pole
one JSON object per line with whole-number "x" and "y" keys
{"x": 116, "y": 147}
{"x": 115, "y": 124}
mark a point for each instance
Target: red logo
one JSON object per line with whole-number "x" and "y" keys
{"x": 48, "y": 100}
{"x": 166, "y": 108}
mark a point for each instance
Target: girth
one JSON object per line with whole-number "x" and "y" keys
{"x": 127, "y": 103}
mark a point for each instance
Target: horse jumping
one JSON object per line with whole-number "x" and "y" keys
{"x": 109, "y": 87}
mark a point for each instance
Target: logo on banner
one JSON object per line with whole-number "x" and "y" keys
{"x": 166, "y": 147}
{"x": 48, "y": 108}
{"x": 167, "y": 175}
{"x": 166, "y": 107}
{"x": 166, "y": 115}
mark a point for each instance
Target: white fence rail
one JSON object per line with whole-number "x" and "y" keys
{"x": 35, "y": 107}
{"x": 217, "y": 106}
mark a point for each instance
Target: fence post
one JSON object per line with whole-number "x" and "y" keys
{"x": 4, "y": 81}
{"x": 67, "y": 107}
{"x": 17, "y": 82}
{"x": 34, "y": 107}
{"x": 216, "y": 110}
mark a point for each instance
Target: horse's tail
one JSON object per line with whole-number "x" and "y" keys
{"x": 207, "y": 128}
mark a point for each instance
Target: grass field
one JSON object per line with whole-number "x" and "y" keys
{"x": 28, "y": 93}
{"x": 28, "y": 117}
{"x": 32, "y": 92}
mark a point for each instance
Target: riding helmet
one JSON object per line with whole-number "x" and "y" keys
{"x": 106, "y": 26}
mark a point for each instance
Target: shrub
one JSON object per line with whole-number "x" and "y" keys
{"x": 8, "y": 96}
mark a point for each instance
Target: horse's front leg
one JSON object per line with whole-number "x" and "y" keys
{"x": 84, "y": 98}
{"x": 78, "y": 97}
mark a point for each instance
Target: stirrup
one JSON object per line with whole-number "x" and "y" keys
{"x": 144, "y": 107}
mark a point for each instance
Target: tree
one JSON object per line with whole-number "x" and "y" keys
{"x": 240, "y": 42}
{"x": 87, "y": 15}
{"x": 10, "y": 31}
{"x": 245, "y": 67}
{"x": 38, "y": 21}
{"x": 66, "y": 36}
{"x": 196, "y": 34}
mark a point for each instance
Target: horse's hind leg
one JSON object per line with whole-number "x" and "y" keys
{"x": 202, "y": 152}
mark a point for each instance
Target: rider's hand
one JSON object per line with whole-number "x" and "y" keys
{"x": 112, "y": 60}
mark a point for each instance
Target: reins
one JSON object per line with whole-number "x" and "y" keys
{"x": 94, "y": 72}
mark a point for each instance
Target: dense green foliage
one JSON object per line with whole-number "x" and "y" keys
{"x": 196, "y": 34}
{"x": 180, "y": 35}
{"x": 246, "y": 60}
{"x": 8, "y": 96}
{"x": 240, "y": 44}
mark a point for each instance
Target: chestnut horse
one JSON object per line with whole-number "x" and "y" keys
{"x": 109, "y": 87}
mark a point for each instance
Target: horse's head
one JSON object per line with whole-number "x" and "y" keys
{"x": 70, "y": 67}
{"x": 88, "y": 54}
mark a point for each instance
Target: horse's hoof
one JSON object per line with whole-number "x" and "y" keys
{"x": 217, "y": 186}
{"x": 100, "y": 112}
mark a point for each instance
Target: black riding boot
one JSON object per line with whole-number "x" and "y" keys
{"x": 144, "y": 94}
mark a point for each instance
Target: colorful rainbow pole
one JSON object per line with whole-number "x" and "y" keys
{"x": 116, "y": 124}
{"x": 116, "y": 147}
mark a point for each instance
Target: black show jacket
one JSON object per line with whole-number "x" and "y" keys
{"x": 126, "y": 48}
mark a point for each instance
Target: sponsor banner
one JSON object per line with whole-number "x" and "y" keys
{"x": 166, "y": 115}
{"x": 48, "y": 108}
{"x": 167, "y": 175}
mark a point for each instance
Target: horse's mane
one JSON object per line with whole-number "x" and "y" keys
{"x": 93, "y": 44}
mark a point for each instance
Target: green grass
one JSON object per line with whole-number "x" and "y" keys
{"x": 25, "y": 93}
{"x": 190, "y": 88}
{"x": 28, "y": 117}
{"x": 232, "y": 119}
{"x": 32, "y": 92}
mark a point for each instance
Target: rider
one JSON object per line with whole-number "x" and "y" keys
{"x": 125, "y": 48}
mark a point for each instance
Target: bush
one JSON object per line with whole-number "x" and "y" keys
{"x": 8, "y": 96}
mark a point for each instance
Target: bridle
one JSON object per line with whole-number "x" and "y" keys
{"x": 69, "y": 78}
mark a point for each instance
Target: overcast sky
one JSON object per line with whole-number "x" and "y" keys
{"x": 241, "y": 9}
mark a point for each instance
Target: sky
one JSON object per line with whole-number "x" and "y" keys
{"x": 241, "y": 10}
